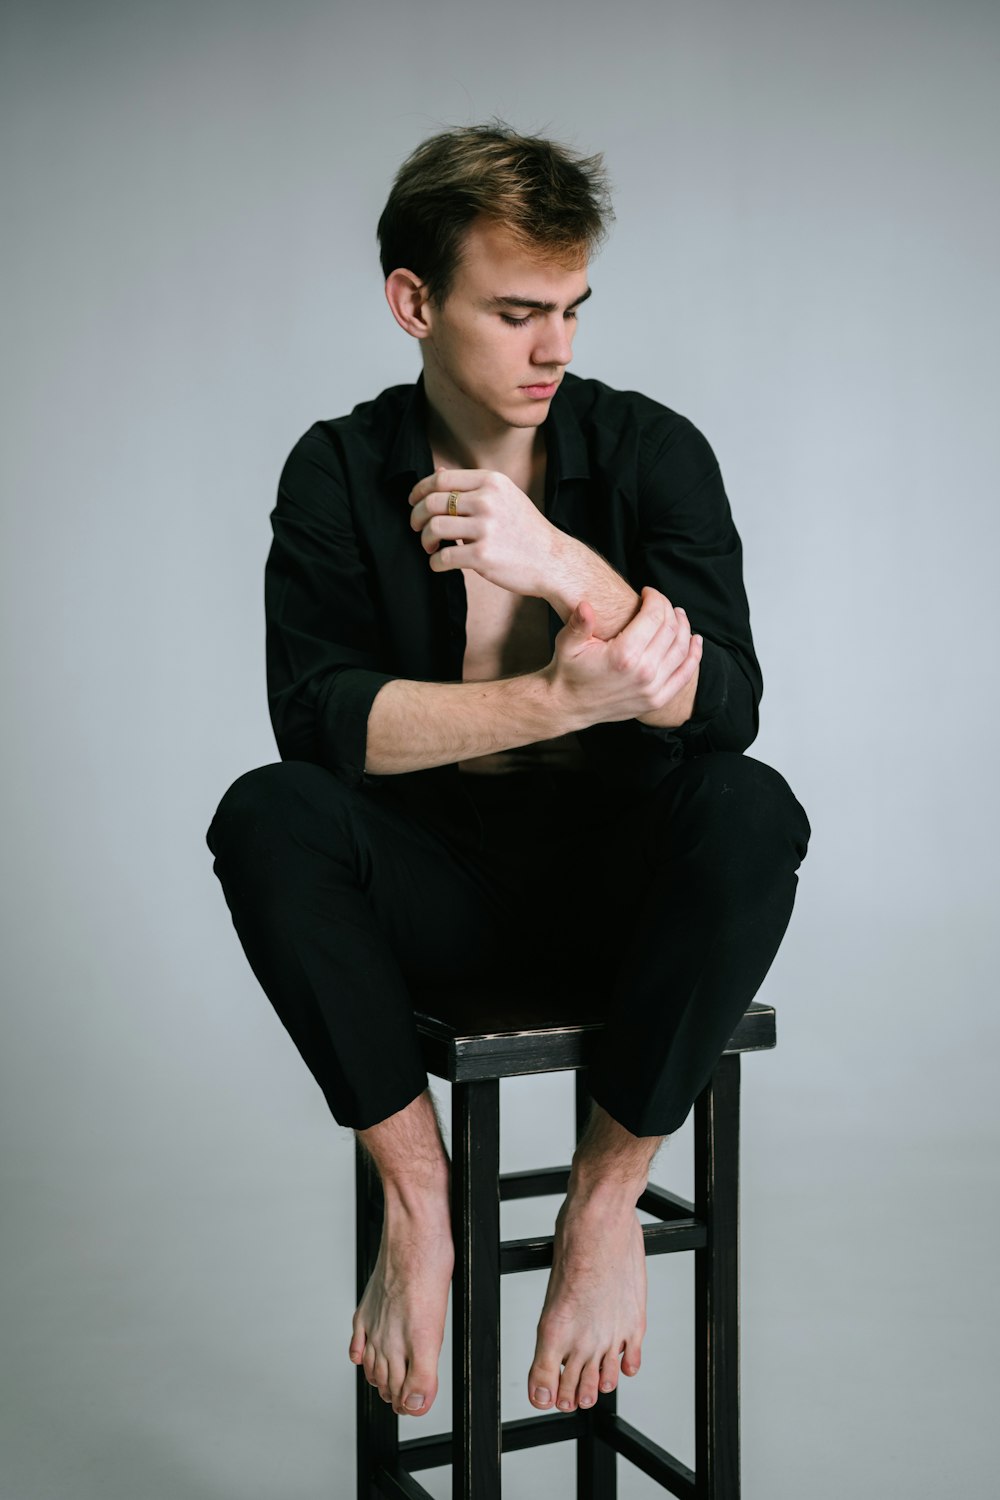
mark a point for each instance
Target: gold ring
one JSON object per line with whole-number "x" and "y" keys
{"x": 453, "y": 503}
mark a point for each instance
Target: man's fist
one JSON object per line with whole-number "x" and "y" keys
{"x": 504, "y": 536}
{"x": 636, "y": 674}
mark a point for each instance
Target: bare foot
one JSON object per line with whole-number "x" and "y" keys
{"x": 399, "y": 1325}
{"x": 595, "y": 1303}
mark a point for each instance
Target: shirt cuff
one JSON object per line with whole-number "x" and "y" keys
{"x": 343, "y": 718}
{"x": 713, "y": 688}
{"x": 709, "y": 699}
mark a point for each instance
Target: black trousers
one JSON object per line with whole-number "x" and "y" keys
{"x": 672, "y": 901}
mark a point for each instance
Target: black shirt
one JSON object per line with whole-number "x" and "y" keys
{"x": 351, "y": 601}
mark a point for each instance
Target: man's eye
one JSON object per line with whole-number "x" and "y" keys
{"x": 520, "y": 322}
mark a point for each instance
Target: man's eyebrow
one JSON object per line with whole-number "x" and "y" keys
{"x": 515, "y": 301}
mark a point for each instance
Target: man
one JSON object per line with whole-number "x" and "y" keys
{"x": 511, "y": 677}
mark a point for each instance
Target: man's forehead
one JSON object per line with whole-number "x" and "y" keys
{"x": 499, "y": 272}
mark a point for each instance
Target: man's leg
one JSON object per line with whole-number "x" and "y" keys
{"x": 399, "y": 1323}
{"x": 686, "y": 903}
{"x": 705, "y": 892}
{"x": 330, "y": 890}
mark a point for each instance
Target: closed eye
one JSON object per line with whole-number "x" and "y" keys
{"x": 520, "y": 322}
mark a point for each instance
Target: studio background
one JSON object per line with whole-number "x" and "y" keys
{"x": 803, "y": 263}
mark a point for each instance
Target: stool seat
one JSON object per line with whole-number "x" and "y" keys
{"x": 473, "y": 1037}
{"x": 490, "y": 1033}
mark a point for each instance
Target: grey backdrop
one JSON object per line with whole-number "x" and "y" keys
{"x": 804, "y": 264}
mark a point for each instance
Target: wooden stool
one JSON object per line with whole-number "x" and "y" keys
{"x": 499, "y": 1038}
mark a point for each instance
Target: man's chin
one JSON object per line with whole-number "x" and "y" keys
{"x": 522, "y": 411}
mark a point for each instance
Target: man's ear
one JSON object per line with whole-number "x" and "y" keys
{"x": 407, "y": 297}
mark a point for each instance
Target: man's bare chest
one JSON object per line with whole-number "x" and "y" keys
{"x": 504, "y": 633}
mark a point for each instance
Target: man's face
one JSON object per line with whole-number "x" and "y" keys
{"x": 476, "y": 351}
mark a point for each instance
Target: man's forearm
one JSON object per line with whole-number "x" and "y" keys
{"x": 415, "y": 725}
{"x": 580, "y": 573}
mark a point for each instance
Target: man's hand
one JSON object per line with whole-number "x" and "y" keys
{"x": 504, "y": 536}
{"x": 635, "y": 675}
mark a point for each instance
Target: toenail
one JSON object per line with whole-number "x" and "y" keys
{"x": 565, "y": 1405}
{"x": 606, "y": 1386}
{"x": 414, "y": 1403}
{"x": 586, "y": 1400}
{"x": 542, "y": 1394}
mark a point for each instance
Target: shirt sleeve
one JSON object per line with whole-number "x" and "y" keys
{"x": 324, "y": 647}
{"x": 690, "y": 551}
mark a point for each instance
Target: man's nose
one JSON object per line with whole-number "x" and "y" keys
{"x": 555, "y": 345}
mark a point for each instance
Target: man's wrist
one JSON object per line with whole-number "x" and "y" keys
{"x": 564, "y": 710}
{"x": 678, "y": 711}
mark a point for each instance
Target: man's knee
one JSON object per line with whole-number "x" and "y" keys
{"x": 756, "y": 796}
{"x": 734, "y": 801}
{"x": 269, "y": 800}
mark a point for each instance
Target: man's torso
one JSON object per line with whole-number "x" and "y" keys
{"x": 506, "y": 635}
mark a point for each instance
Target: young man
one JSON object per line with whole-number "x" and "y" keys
{"x": 511, "y": 678}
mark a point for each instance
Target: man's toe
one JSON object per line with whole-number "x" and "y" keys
{"x": 543, "y": 1382}
{"x": 589, "y": 1382}
{"x": 569, "y": 1383}
{"x": 609, "y": 1371}
{"x": 418, "y": 1391}
{"x": 356, "y": 1348}
{"x": 380, "y": 1376}
{"x": 397, "y": 1374}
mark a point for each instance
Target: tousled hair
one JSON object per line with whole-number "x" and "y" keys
{"x": 555, "y": 203}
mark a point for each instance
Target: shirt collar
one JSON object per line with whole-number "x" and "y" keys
{"x": 565, "y": 439}
{"x": 566, "y": 445}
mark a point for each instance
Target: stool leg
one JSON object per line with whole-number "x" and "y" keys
{"x": 378, "y": 1425}
{"x": 596, "y": 1473}
{"x": 475, "y": 1188}
{"x": 717, "y": 1371}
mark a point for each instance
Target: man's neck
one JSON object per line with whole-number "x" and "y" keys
{"x": 511, "y": 450}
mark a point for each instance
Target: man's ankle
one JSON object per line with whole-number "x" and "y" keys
{"x": 609, "y": 1182}
{"x": 409, "y": 1156}
{"x": 424, "y": 1191}
{"x": 610, "y": 1162}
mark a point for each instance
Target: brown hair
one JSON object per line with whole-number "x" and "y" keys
{"x": 555, "y": 203}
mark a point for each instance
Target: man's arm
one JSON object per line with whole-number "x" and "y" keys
{"x": 506, "y": 539}
{"x": 691, "y": 551}
{"x": 643, "y": 669}
{"x": 415, "y": 725}
{"x": 326, "y": 657}
{"x": 688, "y": 548}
